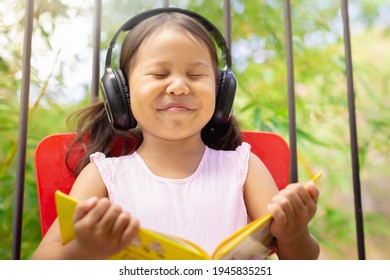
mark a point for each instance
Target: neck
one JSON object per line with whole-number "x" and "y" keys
{"x": 156, "y": 146}
{"x": 172, "y": 158}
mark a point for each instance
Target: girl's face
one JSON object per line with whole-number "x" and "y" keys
{"x": 172, "y": 85}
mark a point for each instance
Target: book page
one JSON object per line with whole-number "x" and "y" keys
{"x": 254, "y": 241}
{"x": 147, "y": 245}
{"x": 151, "y": 245}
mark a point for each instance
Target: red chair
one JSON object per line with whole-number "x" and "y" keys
{"x": 52, "y": 173}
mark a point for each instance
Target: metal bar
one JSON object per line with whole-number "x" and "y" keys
{"x": 353, "y": 133}
{"x": 21, "y": 158}
{"x": 227, "y": 23}
{"x": 96, "y": 51}
{"x": 165, "y": 3}
{"x": 291, "y": 93}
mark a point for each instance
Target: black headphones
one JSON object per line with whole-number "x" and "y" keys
{"x": 116, "y": 90}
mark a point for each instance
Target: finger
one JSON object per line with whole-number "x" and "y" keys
{"x": 308, "y": 191}
{"x": 97, "y": 213}
{"x": 313, "y": 191}
{"x": 278, "y": 214}
{"x": 287, "y": 200}
{"x": 301, "y": 198}
{"x": 109, "y": 218}
{"x": 122, "y": 221}
{"x": 304, "y": 204}
{"x": 130, "y": 231}
{"x": 83, "y": 207}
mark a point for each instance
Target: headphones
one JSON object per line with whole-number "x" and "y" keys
{"x": 116, "y": 91}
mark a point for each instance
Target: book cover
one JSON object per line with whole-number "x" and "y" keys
{"x": 254, "y": 241}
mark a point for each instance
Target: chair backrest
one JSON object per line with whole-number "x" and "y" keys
{"x": 52, "y": 173}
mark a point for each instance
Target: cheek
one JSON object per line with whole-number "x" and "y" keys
{"x": 211, "y": 107}
{"x": 136, "y": 105}
{"x": 140, "y": 98}
{"x": 210, "y": 101}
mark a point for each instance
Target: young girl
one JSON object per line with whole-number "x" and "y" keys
{"x": 184, "y": 176}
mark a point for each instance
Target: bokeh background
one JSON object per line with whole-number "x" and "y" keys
{"x": 61, "y": 78}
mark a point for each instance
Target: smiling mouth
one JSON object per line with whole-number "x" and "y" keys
{"x": 176, "y": 108}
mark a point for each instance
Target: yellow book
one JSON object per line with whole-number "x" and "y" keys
{"x": 254, "y": 241}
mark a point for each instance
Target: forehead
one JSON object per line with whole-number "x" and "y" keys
{"x": 164, "y": 41}
{"x": 149, "y": 31}
{"x": 172, "y": 28}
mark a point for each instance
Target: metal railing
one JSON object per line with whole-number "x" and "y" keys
{"x": 25, "y": 90}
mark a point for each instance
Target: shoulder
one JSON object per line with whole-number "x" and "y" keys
{"x": 257, "y": 169}
{"x": 98, "y": 157}
{"x": 89, "y": 183}
{"x": 107, "y": 165}
{"x": 259, "y": 187}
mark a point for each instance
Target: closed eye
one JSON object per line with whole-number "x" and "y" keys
{"x": 196, "y": 75}
{"x": 158, "y": 75}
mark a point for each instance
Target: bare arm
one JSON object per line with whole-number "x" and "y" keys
{"x": 102, "y": 229}
{"x": 291, "y": 209}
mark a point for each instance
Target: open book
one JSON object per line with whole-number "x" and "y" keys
{"x": 254, "y": 241}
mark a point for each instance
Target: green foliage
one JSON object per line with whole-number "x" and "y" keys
{"x": 258, "y": 48}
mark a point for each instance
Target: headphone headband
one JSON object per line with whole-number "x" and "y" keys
{"x": 116, "y": 91}
{"x": 131, "y": 23}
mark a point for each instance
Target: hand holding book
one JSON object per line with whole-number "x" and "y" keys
{"x": 253, "y": 241}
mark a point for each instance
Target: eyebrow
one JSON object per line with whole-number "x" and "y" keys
{"x": 164, "y": 63}
{"x": 200, "y": 63}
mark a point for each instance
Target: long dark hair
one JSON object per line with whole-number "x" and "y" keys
{"x": 95, "y": 132}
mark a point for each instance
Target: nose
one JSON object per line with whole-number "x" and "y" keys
{"x": 177, "y": 86}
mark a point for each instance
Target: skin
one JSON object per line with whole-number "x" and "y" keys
{"x": 172, "y": 85}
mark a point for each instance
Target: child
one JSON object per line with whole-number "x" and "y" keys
{"x": 189, "y": 173}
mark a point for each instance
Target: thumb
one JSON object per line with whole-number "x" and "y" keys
{"x": 83, "y": 207}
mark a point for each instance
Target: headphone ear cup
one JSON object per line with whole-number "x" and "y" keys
{"x": 125, "y": 111}
{"x": 226, "y": 91}
{"x": 117, "y": 99}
